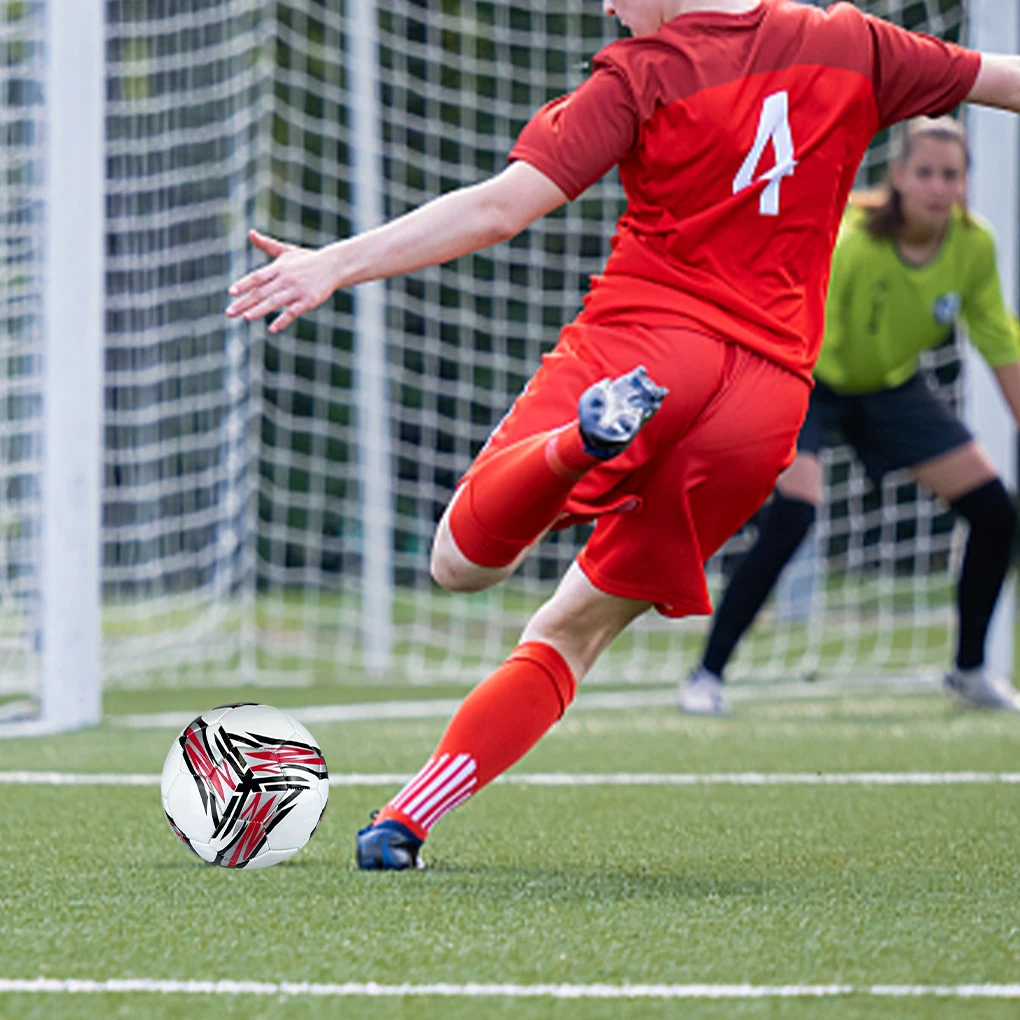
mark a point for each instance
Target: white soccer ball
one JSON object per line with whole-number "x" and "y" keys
{"x": 244, "y": 786}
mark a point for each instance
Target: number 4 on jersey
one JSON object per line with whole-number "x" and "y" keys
{"x": 773, "y": 126}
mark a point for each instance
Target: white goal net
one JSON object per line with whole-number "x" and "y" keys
{"x": 235, "y": 504}
{"x": 21, "y": 339}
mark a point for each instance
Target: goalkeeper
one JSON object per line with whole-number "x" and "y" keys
{"x": 903, "y": 271}
{"x": 737, "y": 126}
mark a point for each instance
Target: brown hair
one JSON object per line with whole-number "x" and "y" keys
{"x": 884, "y": 205}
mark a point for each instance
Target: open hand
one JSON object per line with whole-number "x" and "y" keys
{"x": 297, "y": 280}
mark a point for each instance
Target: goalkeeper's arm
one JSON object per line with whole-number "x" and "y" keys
{"x": 460, "y": 222}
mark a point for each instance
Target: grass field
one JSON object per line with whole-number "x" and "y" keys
{"x": 768, "y": 880}
{"x": 314, "y": 637}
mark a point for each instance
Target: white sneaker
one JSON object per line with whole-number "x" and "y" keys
{"x": 702, "y": 694}
{"x": 981, "y": 688}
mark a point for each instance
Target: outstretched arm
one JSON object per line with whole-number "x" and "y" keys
{"x": 460, "y": 222}
{"x": 998, "y": 82}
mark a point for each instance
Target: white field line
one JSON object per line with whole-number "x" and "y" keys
{"x": 471, "y": 991}
{"x": 371, "y": 711}
{"x": 442, "y": 708}
{"x": 569, "y": 779}
{"x": 425, "y": 708}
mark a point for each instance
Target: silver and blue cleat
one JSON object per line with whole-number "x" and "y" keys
{"x": 612, "y": 411}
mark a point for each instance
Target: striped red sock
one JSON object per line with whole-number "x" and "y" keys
{"x": 495, "y": 726}
{"x": 510, "y": 499}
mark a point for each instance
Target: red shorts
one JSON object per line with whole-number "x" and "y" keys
{"x": 694, "y": 475}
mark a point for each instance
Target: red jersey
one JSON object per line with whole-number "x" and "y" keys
{"x": 738, "y": 137}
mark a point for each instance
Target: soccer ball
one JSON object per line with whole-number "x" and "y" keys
{"x": 244, "y": 786}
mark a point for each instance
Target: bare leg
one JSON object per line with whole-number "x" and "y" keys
{"x": 580, "y": 621}
{"x": 452, "y": 570}
{"x": 957, "y": 472}
{"x": 803, "y": 479}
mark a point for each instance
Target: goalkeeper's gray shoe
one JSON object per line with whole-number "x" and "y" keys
{"x": 702, "y": 694}
{"x": 981, "y": 688}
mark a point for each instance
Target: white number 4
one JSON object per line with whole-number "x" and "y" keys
{"x": 773, "y": 126}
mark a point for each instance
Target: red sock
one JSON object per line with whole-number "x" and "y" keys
{"x": 497, "y": 724}
{"x": 517, "y": 494}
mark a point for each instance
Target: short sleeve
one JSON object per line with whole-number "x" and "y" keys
{"x": 916, "y": 74}
{"x": 576, "y": 139}
{"x": 991, "y": 328}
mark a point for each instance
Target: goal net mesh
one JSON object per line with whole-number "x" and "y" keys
{"x": 233, "y": 507}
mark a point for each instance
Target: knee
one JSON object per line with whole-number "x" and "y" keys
{"x": 452, "y": 570}
{"x": 990, "y": 508}
{"x": 787, "y": 522}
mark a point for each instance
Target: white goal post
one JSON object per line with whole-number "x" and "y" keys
{"x": 71, "y": 183}
{"x": 190, "y": 501}
{"x": 995, "y": 189}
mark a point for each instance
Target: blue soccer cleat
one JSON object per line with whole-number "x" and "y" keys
{"x": 612, "y": 411}
{"x": 388, "y": 846}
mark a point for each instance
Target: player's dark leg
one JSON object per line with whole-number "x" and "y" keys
{"x": 514, "y": 497}
{"x": 785, "y": 524}
{"x": 502, "y": 718}
{"x": 966, "y": 479}
{"x": 993, "y": 520}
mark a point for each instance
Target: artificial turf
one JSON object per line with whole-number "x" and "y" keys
{"x": 713, "y": 884}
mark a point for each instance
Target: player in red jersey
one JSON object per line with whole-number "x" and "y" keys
{"x": 737, "y": 126}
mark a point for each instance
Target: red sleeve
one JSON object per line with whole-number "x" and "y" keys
{"x": 577, "y": 138}
{"x": 916, "y": 74}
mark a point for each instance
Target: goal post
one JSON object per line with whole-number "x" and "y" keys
{"x": 224, "y": 505}
{"x": 995, "y": 144}
{"x": 73, "y": 326}
{"x": 375, "y": 460}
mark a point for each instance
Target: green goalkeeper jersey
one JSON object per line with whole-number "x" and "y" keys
{"x": 881, "y": 312}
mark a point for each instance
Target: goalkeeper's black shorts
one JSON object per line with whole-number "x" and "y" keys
{"x": 890, "y": 429}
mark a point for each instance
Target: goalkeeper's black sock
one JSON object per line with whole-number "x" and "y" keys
{"x": 989, "y": 512}
{"x": 785, "y": 525}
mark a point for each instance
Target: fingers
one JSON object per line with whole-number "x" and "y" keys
{"x": 255, "y": 296}
{"x": 268, "y": 244}
{"x": 270, "y": 289}
{"x": 259, "y": 278}
{"x": 256, "y": 290}
{"x": 261, "y": 304}
{"x": 288, "y": 316}
{"x": 257, "y": 304}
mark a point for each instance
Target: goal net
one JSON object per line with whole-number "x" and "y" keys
{"x": 21, "y": 244}
{"x": 238, "y": 528}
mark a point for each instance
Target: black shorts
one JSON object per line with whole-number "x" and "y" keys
{"x": 888, "y": 430}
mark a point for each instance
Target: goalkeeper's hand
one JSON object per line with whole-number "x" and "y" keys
{"x": 297, "y": 280}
